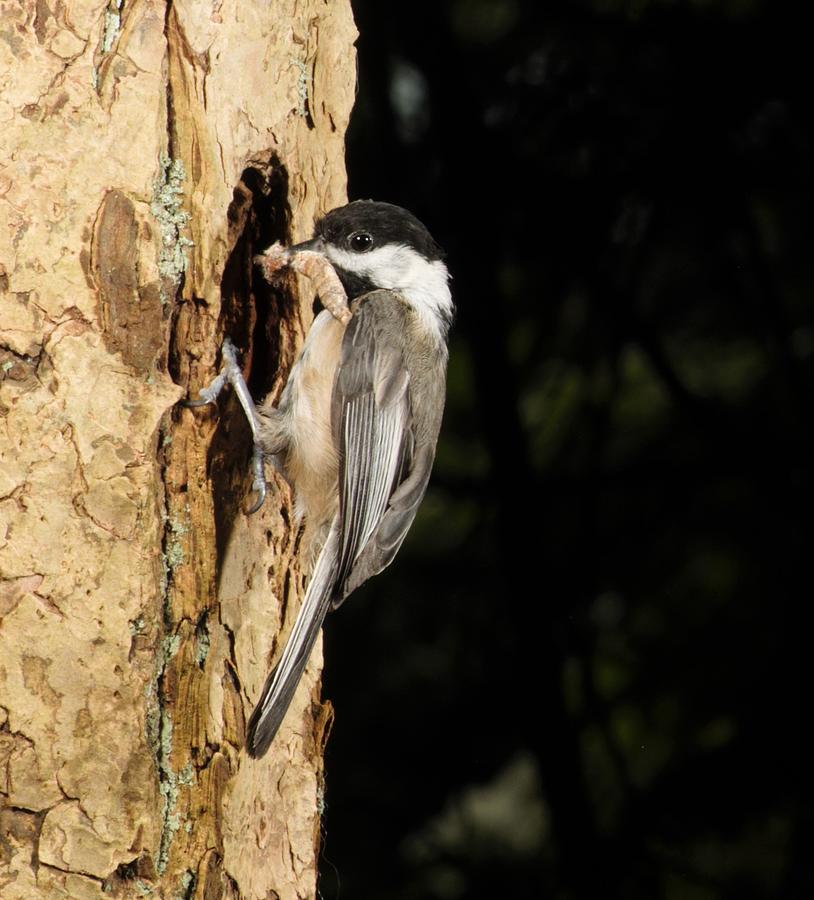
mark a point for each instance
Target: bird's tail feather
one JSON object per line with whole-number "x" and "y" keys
{"x": 282, "y": 682}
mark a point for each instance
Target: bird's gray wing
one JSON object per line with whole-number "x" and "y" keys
{"x": 385, "y": 462}
{"x": 373, "y": 419}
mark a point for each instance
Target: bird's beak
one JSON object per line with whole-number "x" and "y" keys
{"x": 315, "y": 245}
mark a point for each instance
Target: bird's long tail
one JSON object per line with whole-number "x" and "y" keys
{"x": 282, "y": 682}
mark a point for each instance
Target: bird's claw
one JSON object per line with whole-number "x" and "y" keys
{"x": 209, "y": 394}
{"x": 259, "y": 484}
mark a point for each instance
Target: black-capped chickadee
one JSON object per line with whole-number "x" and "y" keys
{"x": 357, "y": 424}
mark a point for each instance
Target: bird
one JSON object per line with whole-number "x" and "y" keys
{"x": 357, "y": 423}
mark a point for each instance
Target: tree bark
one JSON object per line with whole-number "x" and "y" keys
{"x": 148, "y": 148}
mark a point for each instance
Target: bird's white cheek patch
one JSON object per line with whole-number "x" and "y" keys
{"x": 396, "y": 267}
{"x": 379, "y": 263}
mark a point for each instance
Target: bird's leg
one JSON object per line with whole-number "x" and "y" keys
{"x": 230, "y": 373}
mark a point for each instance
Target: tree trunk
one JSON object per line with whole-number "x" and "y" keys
{"x": 148, "y": 148}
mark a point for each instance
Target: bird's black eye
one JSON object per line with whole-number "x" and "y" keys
{"x": 361, "y": 241}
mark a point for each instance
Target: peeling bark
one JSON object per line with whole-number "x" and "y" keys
{"x": 148, "y": 150}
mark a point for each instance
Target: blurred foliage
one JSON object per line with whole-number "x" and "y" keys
{"x": 586, "y": 675}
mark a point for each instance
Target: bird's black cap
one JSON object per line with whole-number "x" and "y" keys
{"x": 385, "y": 222}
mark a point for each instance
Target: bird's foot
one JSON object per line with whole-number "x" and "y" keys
{"x": 231, "y": 373}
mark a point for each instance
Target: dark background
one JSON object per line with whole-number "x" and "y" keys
{"x": 587, "y": 674}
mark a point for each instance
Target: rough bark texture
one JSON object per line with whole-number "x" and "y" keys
{"x": 147, "y": 150}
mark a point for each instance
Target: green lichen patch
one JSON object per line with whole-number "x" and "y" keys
{"x": 167, "y": 209}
